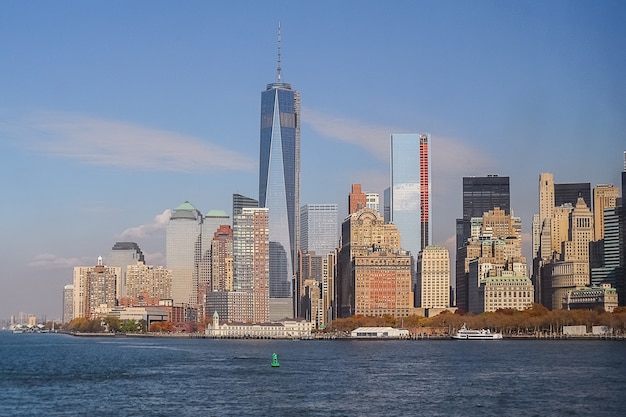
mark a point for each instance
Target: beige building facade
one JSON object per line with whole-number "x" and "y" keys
{"x": 433, "y": 277}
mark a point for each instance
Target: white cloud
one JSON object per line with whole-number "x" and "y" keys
{"x": 374, "y": 139}
{"x": 51, "y": 261}
{"x": 450, "y": 157}
{"x": 155, "y": 258}
{"x": 110, "y": 143}
{"x": 144, "y": 231}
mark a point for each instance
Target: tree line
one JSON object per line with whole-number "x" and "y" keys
{"x": 534, "y": 320}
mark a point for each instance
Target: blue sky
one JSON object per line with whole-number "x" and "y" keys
{"x": 113, "y": 113}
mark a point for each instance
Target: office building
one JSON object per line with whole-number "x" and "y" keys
{"x": 493, "y": 248}
{"x": 510, "y": 290}
{"x": 592, "y": 298}
{"x": 357, "y": 199}
{"x": 147, "y": 285}
{"x": 374, "y": 276}
{"x": 279, "y": 180}
{"x": 372, "y": 200}
{"x": 68, "y": 303}
{"x": 319, "y": 229}
{"x": 410, "y": 190}
{"x": 604, "y": 196}
{"x": 183, "y": 252}
{"x": 251, "y": 259}
{"x": 94, "y": 289}
{"x": 569, "y": 269}
{"x": 124, "y": 254}
{"x": 241, "y": 201}
{"x": 569, "y": 193}
{"x": 480, "y": 195}
{"x": 433, "y": 278}
{"x": 222, "y": 260}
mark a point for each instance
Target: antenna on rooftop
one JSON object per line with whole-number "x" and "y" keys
{"x": 278, "y": 68}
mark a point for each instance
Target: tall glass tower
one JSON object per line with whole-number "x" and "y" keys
{"x": 319, "y": 228}
{"x": 183, "y": 252}
{"x": 409, "y": 207}
{"x": 279, "y": 179}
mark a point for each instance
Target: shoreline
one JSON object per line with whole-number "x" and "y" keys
{"x": 416, "y": 338}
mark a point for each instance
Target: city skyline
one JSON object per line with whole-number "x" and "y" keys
{"x": 110, "y": 120}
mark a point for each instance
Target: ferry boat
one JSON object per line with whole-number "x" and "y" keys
{"x": 485, "y": 334}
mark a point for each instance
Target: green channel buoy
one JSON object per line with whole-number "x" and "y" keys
{"x": 275, "y": 363}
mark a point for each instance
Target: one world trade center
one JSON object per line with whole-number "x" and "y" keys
{"x": 279, "y": 179}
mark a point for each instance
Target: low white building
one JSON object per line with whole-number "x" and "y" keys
{"x": 379, "y": 333}
{"x": 282, "y": 329}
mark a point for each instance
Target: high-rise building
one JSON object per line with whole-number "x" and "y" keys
{"x": 94, "y": 289}
{"x": 604, "y": 196}
{"x": 122, "y": 255}
{"x": 621, "y": 244}
{"x": 279, "y": 179}
{"x": 493, "y": 248}
{"x": 222, "y": 259}
{"x": 241, "y": 201}
{"x": 319, "y": 235}
{"x": 410, "y": 190}
{"x": 611, "y": 269}
{"x": 147, "y": 282}
{"x": 374, "y": 276}
{"x": 251, "y": 259}
{"x": 546, "y": 196}
{"x": 569, "y": 193}
{"x": 480, "y": 195}
{"x": 213, "y": 221}
{"x": 319, "y": 230}
{"x": 570, "y": 270}
{"x": 433, "y": 277}
{"x": 68, "y": 303}
{"x": 372, "y": 200}
{"x": 183, "y": 252}
{"x": 357, "y": 199}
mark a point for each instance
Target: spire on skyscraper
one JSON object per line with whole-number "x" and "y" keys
{"x": 278, "y": 68}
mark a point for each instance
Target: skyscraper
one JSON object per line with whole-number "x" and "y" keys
{"x": 433, "y": 277}
{"x": 374, "y": 275}
{"x": 241, "y": 201}
{"x": 480, "y": 195}
{"x": 122, "y": 255}
{"x": 94, "y": 289}
{"x": 68, "y": 303}
{"x": 319, "y": 228}
{"x": 357, "y": 199}
{"x": 251, "y": 247}
{"x": 410, "y": 190}
{"x": 604, "y": 196}
{"x": 279, "y": 178}
{"x": 319, "y": 236}
{"x": 569, "y": 193}
{"x": 372, "y": 200}
{"x": 183, "y": 252}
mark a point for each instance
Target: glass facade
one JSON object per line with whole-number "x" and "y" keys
{"x": 183, "y": 252}
{"x": 569, "y": 193}
{"x": 122, "y": 255}
{"x": 410, "y": 190}
{"x": 319, "y": 228}
{"x": 279, "y": 181}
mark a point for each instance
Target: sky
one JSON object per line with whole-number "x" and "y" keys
{"x": 113, "y": 113}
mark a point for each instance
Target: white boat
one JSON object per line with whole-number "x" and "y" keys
{"x": 485, "y": 334}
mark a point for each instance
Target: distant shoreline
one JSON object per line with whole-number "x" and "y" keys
{"x": 340, "y": 338}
